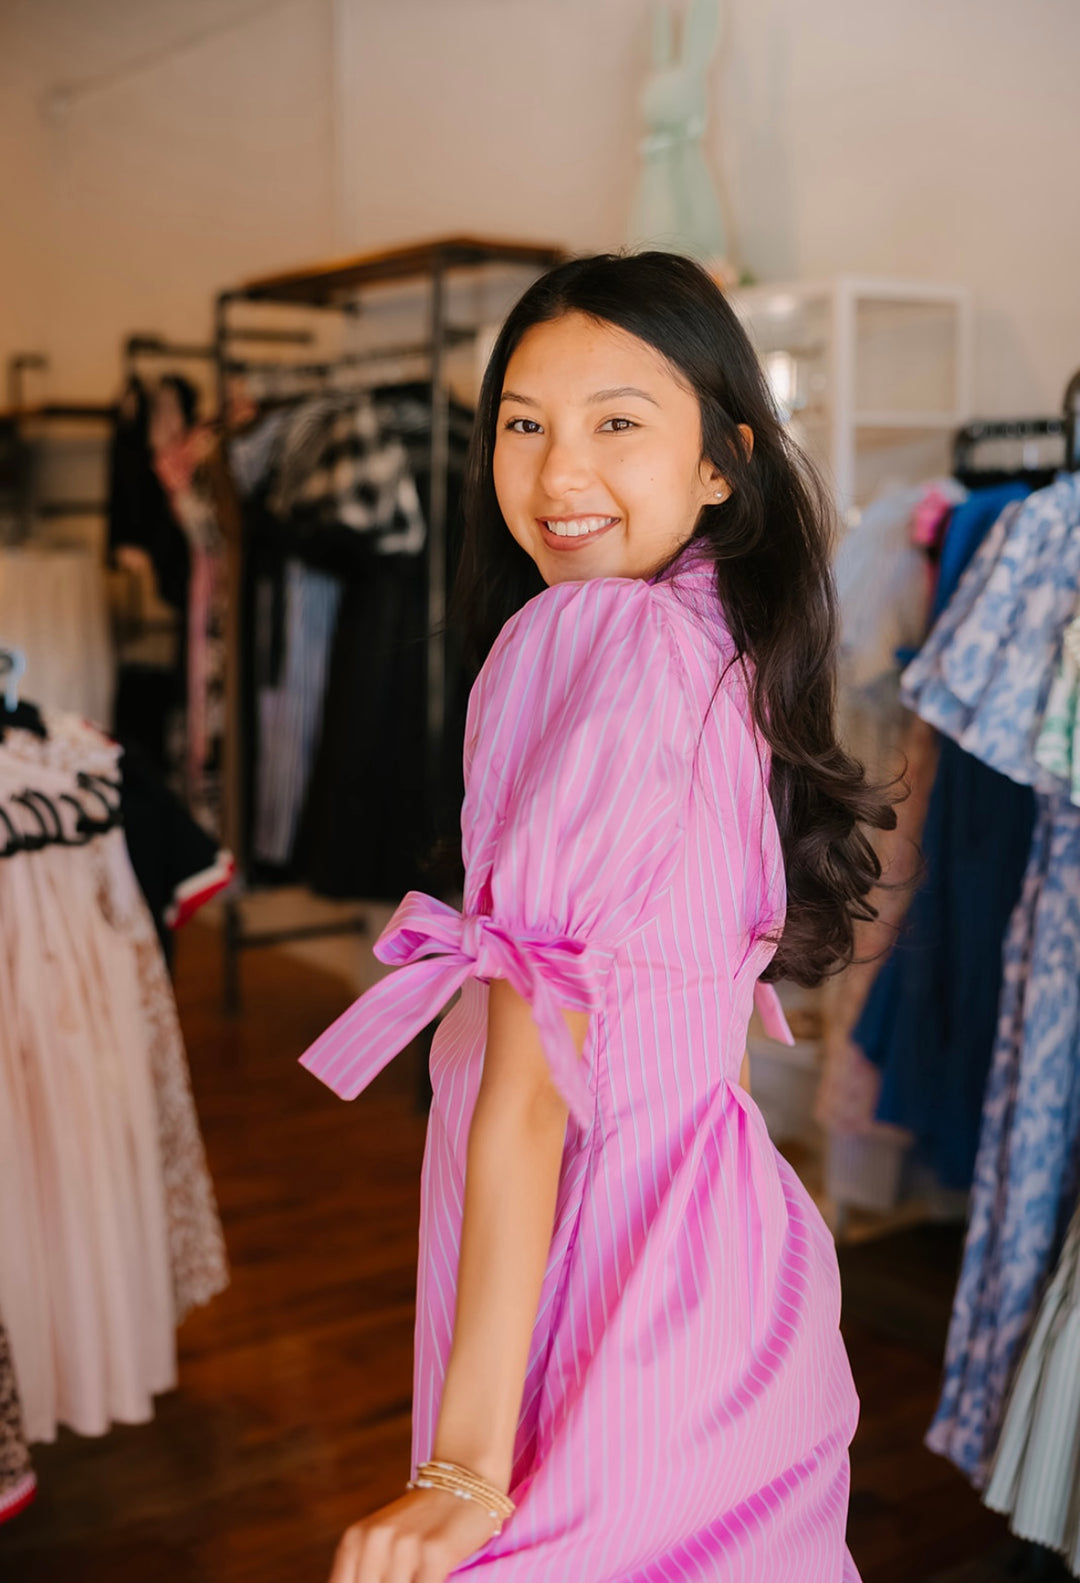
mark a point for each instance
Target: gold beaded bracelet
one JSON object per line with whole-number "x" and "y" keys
{"x": 466, "y": 1486}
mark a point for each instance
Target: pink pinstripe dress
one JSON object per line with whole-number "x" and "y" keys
{"x": 688, "y": 1404}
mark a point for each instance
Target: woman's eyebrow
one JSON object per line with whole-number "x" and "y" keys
{"x": 601, "y": 395}
{"x": 623, "y": 390}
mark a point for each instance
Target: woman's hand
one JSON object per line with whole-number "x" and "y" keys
{"x": 420, "y": 1538}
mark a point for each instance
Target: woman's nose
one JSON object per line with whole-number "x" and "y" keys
{"x": 565, "y": 469}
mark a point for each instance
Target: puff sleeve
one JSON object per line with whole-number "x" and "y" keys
{"x": 579, "y": 754}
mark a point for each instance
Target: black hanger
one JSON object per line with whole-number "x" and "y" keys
{"x": 14, "y": 841}
{"x": 92, "y": 784}
{"x": 85, "y": 827}
{"x": 1009, "y": 450}
{"x": 38, "y": 800}
{"x": 32, "y": 842}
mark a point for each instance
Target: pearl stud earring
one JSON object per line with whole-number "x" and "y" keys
{"x": 721, "y": 494}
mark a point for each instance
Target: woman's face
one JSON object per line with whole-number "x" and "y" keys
{"x": 598, "y": 467}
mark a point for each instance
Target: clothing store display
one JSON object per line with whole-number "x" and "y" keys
{"x": 164, "y": 506}
{"x": 1057, "y": 747}
{"x": 886, "y": 575}
{"x": 882, "y": 592}
{"x": 970, "y": 522}
{"x": 139, "y": 511}
{"x": 610, "y": 756}
{"x": 18, "y": 1484}
{"x": 53, "y": 607}
{"x": 178, "y": 866}
{"x": 335, "y": 630}
{"x": 343, "y": 468}
{"x": 1028, "y": 1162}
{"x": 1035, "y": 1479}
{"x": 151, "y": 685}
{"x": 983, "y": 678}
{"x": 929, "y": 1019}
{"x": 108, "y": 1228}
{"x": 290, "y": 713}
{"x": 364, "y": 828}
{"x": 179, "y": 466}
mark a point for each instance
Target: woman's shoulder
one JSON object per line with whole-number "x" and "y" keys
{"x": 600, "y": 623}
{"x": 601, "y": 607}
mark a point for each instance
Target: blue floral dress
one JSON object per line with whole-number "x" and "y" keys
{"x": 983, "y": 678}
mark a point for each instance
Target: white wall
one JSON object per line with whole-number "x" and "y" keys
{"x": 197, "y": 144}
{"x": 174, "y": 149}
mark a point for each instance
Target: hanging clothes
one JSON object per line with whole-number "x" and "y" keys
{"x": 1058, "y": 745}
{"x": 1035, "y": 1479}
{"x": 1029, "y": 1146}
{"x": 179, "y": 866}
{"x": 140, "y": 515}
{"x": 180, "y": 465}
{"x": 984, "y": 678}
{"x": 929, "y": 1020}
{"x": 931, "y": 1014}
{"x": 108, "y": 1228}
{"x": 335, "y": 632}
{"x": 899, "y": 564}
{"x": 290, "y": 713}
{"x": 151, "y": 675}
{"x": 340, "y": 468}
{"x": 881, "y": 585}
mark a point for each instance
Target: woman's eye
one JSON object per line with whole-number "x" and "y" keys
{"x": 618, "y": 425}
{"x": 522, "y": 426}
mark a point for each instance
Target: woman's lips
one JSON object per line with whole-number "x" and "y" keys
{"x": 571, "y": 533}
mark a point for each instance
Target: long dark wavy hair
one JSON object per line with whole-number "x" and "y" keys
{"x": 770, "y": 542}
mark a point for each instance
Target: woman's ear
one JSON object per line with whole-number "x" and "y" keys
{"x": 747, "y": 434}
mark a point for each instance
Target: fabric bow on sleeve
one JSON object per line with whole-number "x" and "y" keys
{"x": 770, "y": 1010}
{"x": 436, "y": 950}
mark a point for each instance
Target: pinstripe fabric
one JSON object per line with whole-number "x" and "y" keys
{"x": 688, "y": 1403}
{"x": 1035, "y": 1479}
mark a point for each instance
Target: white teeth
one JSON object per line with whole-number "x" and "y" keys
{"x": 579, "y": 526}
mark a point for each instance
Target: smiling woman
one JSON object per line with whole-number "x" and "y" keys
{"x": 628, "y": 1361}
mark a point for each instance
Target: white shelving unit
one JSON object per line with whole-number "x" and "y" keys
{"x": 873, "y": 374}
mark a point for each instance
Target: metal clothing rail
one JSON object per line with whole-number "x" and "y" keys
{"x": 339, "y": 286}
{"x": 20, "y": 414}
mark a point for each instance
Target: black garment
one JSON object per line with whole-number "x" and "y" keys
{"x": 147, "y": 699}
{"x": 365, "y": 829}
{"x": 147, "y": 696}
{"x": 139, "y": 509}
{"x": 405, "y": 410}
{"x": 164, "y": 843}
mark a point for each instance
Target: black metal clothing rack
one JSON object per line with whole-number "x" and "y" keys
{"x": 339, "y": 286}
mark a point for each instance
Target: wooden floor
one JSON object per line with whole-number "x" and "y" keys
{"x": 292, "y": 1415}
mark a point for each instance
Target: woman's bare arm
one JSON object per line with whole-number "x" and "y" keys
{"x": 512, "y": 1175}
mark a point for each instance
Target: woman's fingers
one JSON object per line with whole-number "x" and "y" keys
{"x": 404, "y": 1560}
{"x": 376, "y": 1543}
